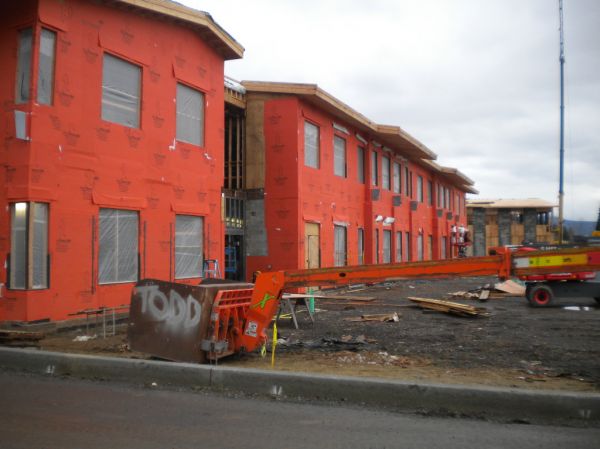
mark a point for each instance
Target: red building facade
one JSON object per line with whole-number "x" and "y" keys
{"x": 337, "y": 189}
{"x": 112, "y": 156}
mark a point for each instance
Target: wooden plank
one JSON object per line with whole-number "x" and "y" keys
{"x": 449, "y": 306}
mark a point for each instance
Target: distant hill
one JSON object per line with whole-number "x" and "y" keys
{"x": 579, "y": 227}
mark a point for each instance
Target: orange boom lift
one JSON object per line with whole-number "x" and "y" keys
{"x": 239, "y": 318}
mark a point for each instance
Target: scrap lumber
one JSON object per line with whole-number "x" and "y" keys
{"x": 340, "y": 297}
{"x": 510, "y": 286}
{"x": 381, "y": 317}
{"x": 11, "y": 337}
{"x": 449, "y": 307}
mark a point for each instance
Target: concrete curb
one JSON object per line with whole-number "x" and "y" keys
{"x": 505, "y": 404}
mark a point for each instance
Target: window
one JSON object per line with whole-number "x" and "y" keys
{"x": 396, "y": 177}
{"x": 419, "y": 247}
{"x": 311, "y": 145}
{"x": 447, "y": 198}
{"x": 443, "y": 247}
{"x": 385, "y": 173}
{"x": 339, "y": 236}
{"x": 374, "y": 179}
{"x": 188, "y": 246}
{"x": 440, "y": 203}
{"x": 430, "y": 247}
{"x": 376, "y": 245}
{"x": 406, "y": 181}
{"x": 410, "y": 184}
{"x": 387, "y": 246}
{"x": 339, "y": 156}
{"x": 361, "y": 246}
{"x": 118, "y": 246}
{"x": 360, "y": 158}
{"x": 398, "y": 246}
{"x": 190, "y": 115}
{"x": 430, "y": 193}
{"x": 408, "y": 246}
{"x": 23, "y": 81}
{"x": 420, "y": 188}
{"x": 45, "y": 80}
{"x": 29, "y": 246}
{"x": 121, "y": 87}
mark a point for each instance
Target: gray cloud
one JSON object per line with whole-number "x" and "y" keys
{"x": 477, "y": 82}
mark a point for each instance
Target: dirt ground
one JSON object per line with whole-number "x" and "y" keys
{"x": 515, "y": 346}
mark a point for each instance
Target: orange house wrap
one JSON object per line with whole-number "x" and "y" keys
{"x": 112, "y": 155}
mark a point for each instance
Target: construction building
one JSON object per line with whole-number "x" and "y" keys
{"x": 125, "y": 158}
{"x": 502, "y": 222}
{"x": 325, "y": 186}
{"x": 112, "y": 159}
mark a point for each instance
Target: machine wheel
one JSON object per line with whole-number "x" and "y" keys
{"x": 540, "y": 295}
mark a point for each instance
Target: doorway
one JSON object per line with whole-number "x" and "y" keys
{"x": 312, "y": 245}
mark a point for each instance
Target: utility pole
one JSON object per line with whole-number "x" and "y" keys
{"x": 561, "y": 192}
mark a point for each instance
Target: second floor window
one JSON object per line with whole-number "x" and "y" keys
{"x": 385, "y": 173}
{"x": 23, "y": 81}
{"x": 374, "y": 180}
{"x": 190, "y": 115}
{"x": 420, "y": 188}
{"x": 339, "y": 156}
{"x": 311, "y": 145}
{"x": 121, "y": 91}
{"x": 45, "y": 81}
{"x": 396, "y": 176}
{"x": 360, "y": 157}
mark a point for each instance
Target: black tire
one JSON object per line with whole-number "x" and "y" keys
{"x": 540, "y": 295}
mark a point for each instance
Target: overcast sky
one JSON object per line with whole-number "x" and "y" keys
{"x": 477, "y": 81}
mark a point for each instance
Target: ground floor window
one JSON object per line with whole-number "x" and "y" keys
{"x": 430, "y": 247}
{"x": 118, "y": 246}
{"x": 188, "y": 246}
{"x": 387, "y": 246}
{"x": 420, "y": 247}
{"x": 339, "y": 237}
{"x": 29, "y": 246}
{"x": 361, "y": 246}
{"x": 408, "y": 246}
{"x": 443, "y": 248}
{"x": 376, "y": 245}
{"x": 398, "y": 246}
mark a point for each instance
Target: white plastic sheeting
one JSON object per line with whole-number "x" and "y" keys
{"x": 40, "y": 245}
{"x": 118, "y": 246}
{"x": 311, "y": 145}
{"x": 121, "y": 87}
{"x": 46, "y": 66}
{"x": 23, "y": 81}
{"x": 387, "y": 246}
{"x": 339, "y": 236}
{"x": 188, "y": 246}
{"x": 190, "y": 115}
{"x": 385, "y": 173}
{"x": 18, "y": 245}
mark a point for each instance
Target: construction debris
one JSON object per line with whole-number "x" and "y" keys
{"x": 381, "y": 317}
{"x": 506, "y": 289}
{"x": 342, "y": 297}
{"x": 20, "y": 338}
{"x": 449, "y": 307}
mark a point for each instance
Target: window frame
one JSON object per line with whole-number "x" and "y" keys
{"x": 23, "y": 75}
{"x": 30, "y": 240}
{"x": 340, "y": 255}
{"x": 317, "y": 148}
{"x": 50, "y": 74}
{"x": 105, "y": 89}
{"x": 385, "y": 173}
{"x": 420, "y": 196}
{"x": 120, "y": 278}
{"x": 398, "y": 247}
{"x": 178, "y": 245}
{"x": 360, "y": 164}
{"x": 386, "y": 246}
{"x": 340, "y": 167}
{"x": 374, "y": 169}
{"x": 201, "y": 118}
{"x": 396, "y": 177}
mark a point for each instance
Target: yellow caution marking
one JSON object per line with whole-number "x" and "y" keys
{"x": 556, "y": 261}
{"x": 274, "y": 345}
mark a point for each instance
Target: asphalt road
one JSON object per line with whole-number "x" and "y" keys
{"x": 46, "y": 413}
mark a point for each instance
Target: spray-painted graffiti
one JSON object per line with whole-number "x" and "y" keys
{"x": 172, "y": 309}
